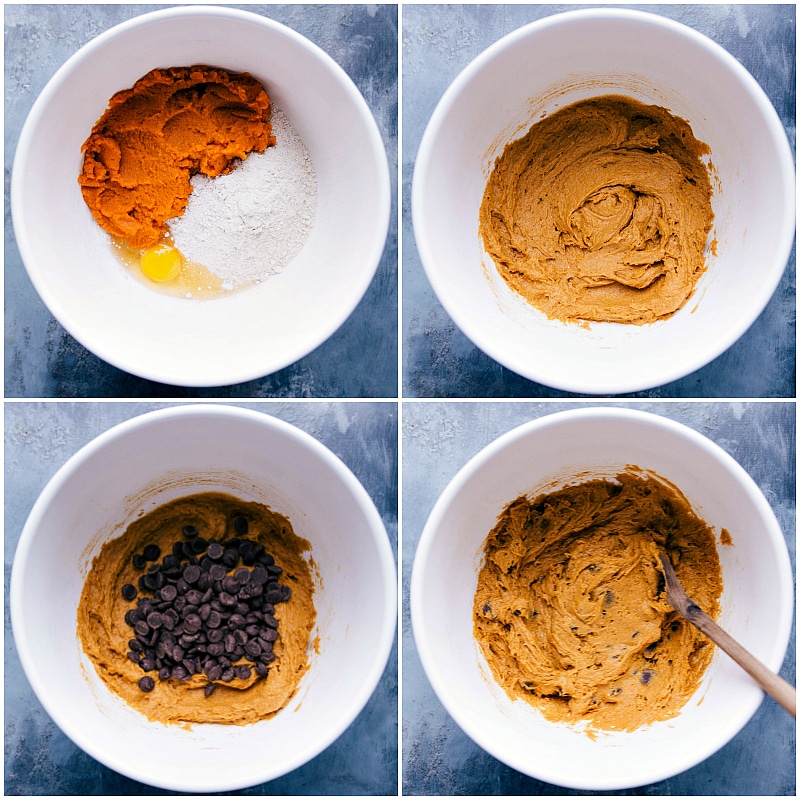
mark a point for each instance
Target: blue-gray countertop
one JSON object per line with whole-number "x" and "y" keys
{"x": 439, "y": 41}
{"x": 359, "y": 360}
{"x": 39, "y": 758}
{"x": 438, "y": 439}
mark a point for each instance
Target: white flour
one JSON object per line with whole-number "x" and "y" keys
{"x": 247, "y": 225}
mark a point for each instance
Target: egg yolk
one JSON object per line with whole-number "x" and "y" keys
{"x": 161, "y": 263}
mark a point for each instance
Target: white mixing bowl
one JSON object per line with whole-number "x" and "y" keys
{"x": 545, "y": 66}
{"x": 756, "y": 604}
{"x": 250, "y": 333}
{"x": 171, "y": 453}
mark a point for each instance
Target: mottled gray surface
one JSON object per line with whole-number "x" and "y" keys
{"x": 39, "y": 758}
{"x": 359, "y": 360}
{"x": 438, "y": 42}
{"x": 438, "y": 439}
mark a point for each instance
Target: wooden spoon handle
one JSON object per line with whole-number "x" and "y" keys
{"x": 782, "y": 691}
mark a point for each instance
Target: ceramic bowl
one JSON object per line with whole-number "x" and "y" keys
{"x": 249, "y": 333}
{"x": 171, "y": 453}
{"x": 546, "y": 454}
{"x": 552, "y": 63}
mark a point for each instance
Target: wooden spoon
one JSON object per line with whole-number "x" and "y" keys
{"x": 771, "y": 683}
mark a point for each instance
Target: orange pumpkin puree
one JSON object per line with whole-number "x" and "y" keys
{"x": 172, "y": 124}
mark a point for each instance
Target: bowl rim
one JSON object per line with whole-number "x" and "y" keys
{"x": 423, "y": 564}
{"x": 225, "y": 374}
{"x": 383, "y": 644}
{"x": 696, "y": 358}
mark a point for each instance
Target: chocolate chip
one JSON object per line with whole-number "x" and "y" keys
{"x": 154, "y": 619}
{"x": 236, "y": 621}
{"x": 129, "y": 591}
{"x": 141, "y": 628}
{"x": 151, "y": 552}
{"x": 191, "y": 573}
{"x": 146, "y": 684}
{"x": 209, "y": 688}
{"x": 273, "y": 594}
{"x": 189, "y": 531}
{"x": 241, "y": 525}
{"x": 192, "y": 623}
{"x": 243, "y": 672}
{"x": 242, "y": 576}
{"x": 198, "y": 545}
{"x": 253, "y": 649}
{"x": 139, "y": 562}
{"x": 194, "y": 597}
{"x": 168, "y": 593}
{"x": 259, "y": 575}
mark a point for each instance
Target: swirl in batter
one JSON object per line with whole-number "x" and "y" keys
{"x": 570, "y": 610}
{"x": 601, "y": 212}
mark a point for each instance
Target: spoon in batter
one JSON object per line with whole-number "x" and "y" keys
{"x": 784, "y": 693}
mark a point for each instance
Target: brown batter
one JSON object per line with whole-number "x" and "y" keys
{"x": 173, "y": 124}
{"x": 570, "y": 610}
{"x": 104, "y": 634}
{"x": 601, "y": 212}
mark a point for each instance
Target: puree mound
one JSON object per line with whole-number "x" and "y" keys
{"x": 215, "y": 519}
{"x": 601, "y": 212}
{"x": 173, "y": 124}
{"x": 570, "y": 610}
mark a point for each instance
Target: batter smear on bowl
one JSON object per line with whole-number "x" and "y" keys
{"x": 570, "y": 610}
{"x": 601, "y": 212}
{"x": 201, "y": 611}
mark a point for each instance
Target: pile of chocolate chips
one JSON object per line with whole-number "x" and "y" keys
{"x": 206, "y": 608}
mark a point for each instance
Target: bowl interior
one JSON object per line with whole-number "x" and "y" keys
{"x": 114, "y": 479}
{"x": 756, "y": 602}
{"x": 250, "y": 333}
{"x": 558, "y": 61}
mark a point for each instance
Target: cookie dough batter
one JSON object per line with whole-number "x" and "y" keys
{"x": 570, "y": 610}
{"x": 104, "y": 634}
{"x": 601, "y": 212}
{"x": 173, "y": 124}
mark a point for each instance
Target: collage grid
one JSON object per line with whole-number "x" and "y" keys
{"x": 397, "y": 391}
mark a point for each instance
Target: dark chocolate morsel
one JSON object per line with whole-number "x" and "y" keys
{"x": 151, "y": 552}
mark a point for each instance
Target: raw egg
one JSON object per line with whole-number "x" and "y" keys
{"x": 161, "y": 262}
